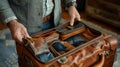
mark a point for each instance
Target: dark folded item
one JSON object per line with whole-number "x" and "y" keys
{"x": 59, "y": 47}
{"x": 75, "y": 40}
{"x": 45, "y": 57}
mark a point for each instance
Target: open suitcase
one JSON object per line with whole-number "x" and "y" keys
{"x": 76, "y": 46}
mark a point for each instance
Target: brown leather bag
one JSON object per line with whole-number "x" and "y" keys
{"x": 98, "y": 50}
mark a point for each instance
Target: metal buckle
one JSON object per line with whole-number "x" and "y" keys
{"x": 107, "y": 53}
{"x": 63, "y": 60}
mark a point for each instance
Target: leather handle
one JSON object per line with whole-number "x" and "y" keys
{"x": 101, "y": 61}
{"x": 112, "y": 41}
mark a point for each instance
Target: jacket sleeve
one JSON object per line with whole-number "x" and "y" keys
{"x": 6, "y": 13}
{"x": 68, "y": 1}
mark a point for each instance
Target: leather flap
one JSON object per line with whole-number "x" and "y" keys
{"x": 39, "y": 45}
{"x": 67, "y": 31}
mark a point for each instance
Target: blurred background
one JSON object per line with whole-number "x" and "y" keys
{"x": 102, "y": 15}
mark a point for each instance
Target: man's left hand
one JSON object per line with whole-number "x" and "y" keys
{"x": 74, "y": 15}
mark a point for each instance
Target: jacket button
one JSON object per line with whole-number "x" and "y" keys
{"x": 39, "y": 26}
{"x": 39, "y": 13}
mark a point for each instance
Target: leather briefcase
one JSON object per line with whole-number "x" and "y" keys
{"x": 68, "y": 46}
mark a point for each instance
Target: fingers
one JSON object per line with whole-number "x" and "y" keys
{"x": 78, "y": 17}
{"x": 18, "y": 31}
{"x": 25, "y": 34}
{"x": 74, "y": 15}
{"x": 17, "y": 37}
{"x": 72, "y": 20}
{"x": 20, "y": 35}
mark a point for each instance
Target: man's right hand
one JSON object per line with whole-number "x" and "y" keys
{"x": 18, "y": 31}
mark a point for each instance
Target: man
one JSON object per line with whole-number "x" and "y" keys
{"x": 27, "y": 17}
{"x": 23, "y": 15}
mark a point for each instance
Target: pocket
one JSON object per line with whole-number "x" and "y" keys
{"x": 20, "y": 2}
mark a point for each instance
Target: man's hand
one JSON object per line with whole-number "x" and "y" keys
{"x": 74, "y": 15}
{"x": 18, "y": 31}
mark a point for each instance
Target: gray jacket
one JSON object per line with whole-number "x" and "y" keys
{"x": 28, "y": 12}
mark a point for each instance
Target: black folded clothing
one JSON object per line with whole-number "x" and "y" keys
{"x": 45, "y": 57}
{"x": 58, "y": 46}
{"x": 75, "y": 40}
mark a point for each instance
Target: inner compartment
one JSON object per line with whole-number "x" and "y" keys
{"x": 64, "y": 39}
{"x": 61, "y": 46}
